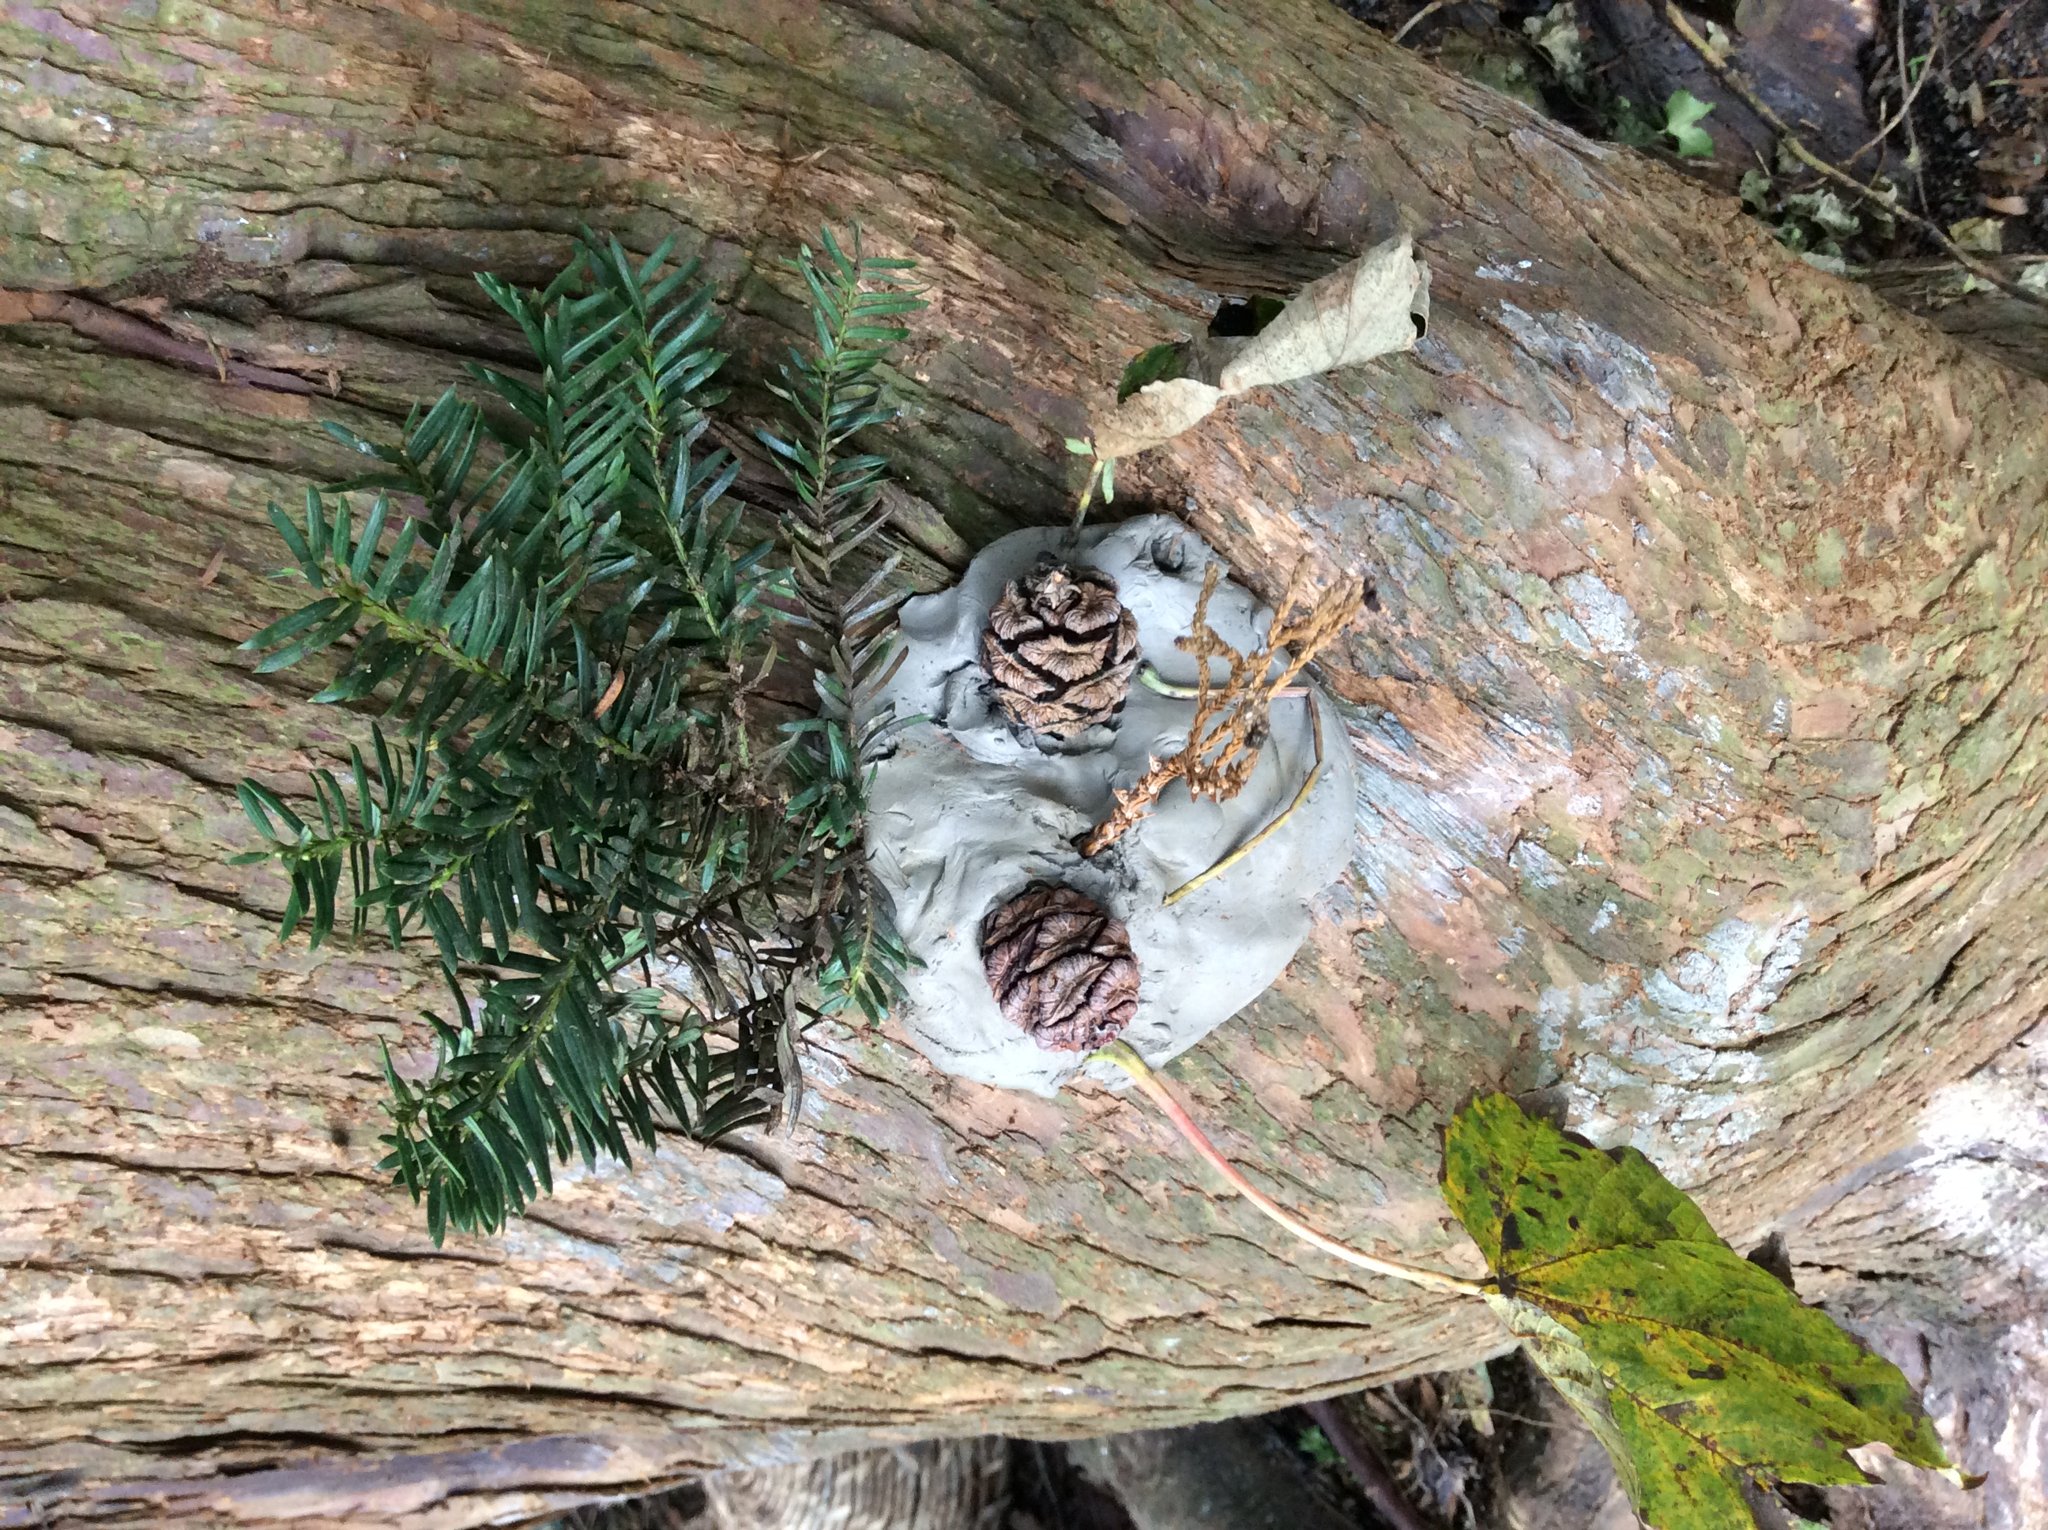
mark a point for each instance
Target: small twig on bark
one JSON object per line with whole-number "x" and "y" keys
{"x": 1911, "y": 94}
{"x": 1419, "y": 17}
{"x": 1905, "y": 68}
{"x": 1121, "y": 1055}
{"x": 1733, "y": 80}
{"x": 1365, "y": 1466}
{"x": 128, "y": 335}
{"x": 1308, "y": 784}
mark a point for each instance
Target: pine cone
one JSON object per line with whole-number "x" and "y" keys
{"x": 1059, "y": 651}
{"x": 1061, "y": 968}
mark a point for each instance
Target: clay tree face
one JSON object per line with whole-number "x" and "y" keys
{"x": 1032, "y": 951}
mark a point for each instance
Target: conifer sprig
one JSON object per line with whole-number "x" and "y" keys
{"x": 552, "y": 611}
{"x": 834, "y": 392}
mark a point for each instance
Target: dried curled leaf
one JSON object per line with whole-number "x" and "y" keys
{"x": 1156, "y": 412}
{"x": 1376, "y": 304}
{"x": 1713, "y": 1373}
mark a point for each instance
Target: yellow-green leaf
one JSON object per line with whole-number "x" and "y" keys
{"x": 1682, "y": 114}
{"x": 1560, "y": 1356}
{"x": 1714, "y": 1373}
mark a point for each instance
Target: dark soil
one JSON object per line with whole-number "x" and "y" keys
{"x": 1974, "y": 144}
{"x": 1980, "y": 116}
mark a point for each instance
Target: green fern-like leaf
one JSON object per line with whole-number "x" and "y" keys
{"x": 836, "y": 392}
{"x": 636, "y": 902}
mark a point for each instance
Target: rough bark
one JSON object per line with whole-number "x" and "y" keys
{"x": 2004, "y": 326}
{"x": 1697, "y": 718}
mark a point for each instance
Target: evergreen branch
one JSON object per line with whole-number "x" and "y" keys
{"x": 569, "y": 635}
{"x": 836, "y": 393}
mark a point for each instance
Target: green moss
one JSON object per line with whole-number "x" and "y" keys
{"x": 1829, "y": 551}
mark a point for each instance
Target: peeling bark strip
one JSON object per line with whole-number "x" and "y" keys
{"x": 1699, "y": 725}
{"x": 123, "y": 334}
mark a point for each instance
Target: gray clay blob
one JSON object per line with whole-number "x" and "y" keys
{"x": 964, "y": 814}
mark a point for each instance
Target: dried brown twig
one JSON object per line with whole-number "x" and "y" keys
{"x": 1419, "y": 17}
{"x": 1231, "y": 715}
{"x": 1909, "y": 85}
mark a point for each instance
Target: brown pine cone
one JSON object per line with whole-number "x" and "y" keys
{"x": 1061, "y": 968}
{"x": 1059, "y": 651}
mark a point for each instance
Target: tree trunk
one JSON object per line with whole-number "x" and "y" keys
{"x": 1697, "y": 718}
